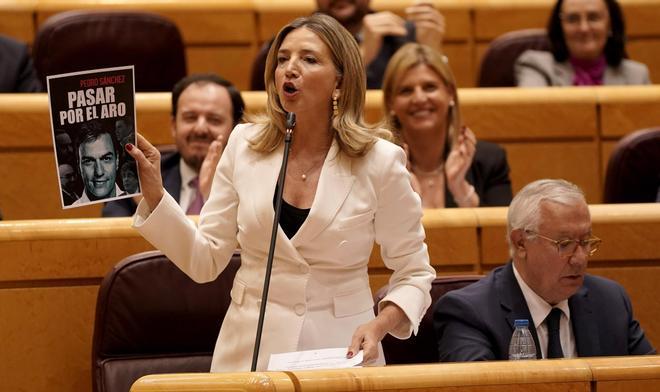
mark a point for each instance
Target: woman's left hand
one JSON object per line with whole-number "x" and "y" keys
{"x": 459, "y": 162}
{"x": 368, "y": 336}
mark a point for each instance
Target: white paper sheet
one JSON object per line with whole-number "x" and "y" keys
{"x": 329, "y": 358}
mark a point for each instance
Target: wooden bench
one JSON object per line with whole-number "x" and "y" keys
{"x": 224, "y": 36}
{"x": 547, "y": 133}
{"x": 635, "y": 373}
{"x": 51, "y": 270}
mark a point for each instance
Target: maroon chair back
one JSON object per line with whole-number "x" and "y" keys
{"x": 152, "y": 318}
{"x": 633, "y": 170}
{"x": 496, "y": 68}
{"x": 423, "y": 347}
{"x": 80, "y": 40}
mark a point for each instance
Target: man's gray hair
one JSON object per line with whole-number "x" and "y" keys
{"x": 524, "y": 210}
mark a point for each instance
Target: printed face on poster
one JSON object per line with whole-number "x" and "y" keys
{"x": 92, "y": 119}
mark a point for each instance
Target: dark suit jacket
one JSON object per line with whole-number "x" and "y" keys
{"x": 476, "y": 322}
{"x": 169, "y": 170}
{"x": 17, "y": 74}
{"x": 489, "y": 174}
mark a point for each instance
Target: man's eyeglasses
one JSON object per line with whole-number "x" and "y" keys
{"x": 575, "y": 18}
{"x": 567, "y": 247}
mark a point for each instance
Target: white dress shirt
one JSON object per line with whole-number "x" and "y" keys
{"x": 540, "y": 309}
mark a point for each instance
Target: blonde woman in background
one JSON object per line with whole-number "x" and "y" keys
{"x": 448, "y": 166}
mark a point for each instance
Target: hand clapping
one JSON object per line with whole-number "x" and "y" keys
{"x": 457, "y": 164}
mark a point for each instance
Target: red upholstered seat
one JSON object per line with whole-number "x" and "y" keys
{"x": 152, "y": 318}
{"x": 496, "y": 68}
{"x": 633, "y": 170}
{"x": 80, "y": 40}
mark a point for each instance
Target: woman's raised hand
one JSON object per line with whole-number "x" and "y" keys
{"x": 147, "y": 158}
{"x": 457, "y": 164}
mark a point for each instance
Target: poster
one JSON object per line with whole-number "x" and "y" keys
{"x": 92, "y": 117}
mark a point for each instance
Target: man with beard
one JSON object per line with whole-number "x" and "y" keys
{"x": 379, "y": 34}
{"x": 205, "y": 109}
{"x": 570, "y": 313}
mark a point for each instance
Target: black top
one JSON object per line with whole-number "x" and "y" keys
{"x": 291, "y": 218}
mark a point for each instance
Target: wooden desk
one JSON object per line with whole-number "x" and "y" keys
{"x": 585, "y": 374}
{"x": 547, "y": 133}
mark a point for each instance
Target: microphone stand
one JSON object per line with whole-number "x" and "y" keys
{"x": 290, "y": 124}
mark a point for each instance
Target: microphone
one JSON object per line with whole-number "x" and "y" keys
{"x": 290, "y": 124}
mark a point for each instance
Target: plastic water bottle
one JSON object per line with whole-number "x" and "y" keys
{"x": 522, "y": 343}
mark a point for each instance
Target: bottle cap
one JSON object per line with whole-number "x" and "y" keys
{"x": 521, "y": 323}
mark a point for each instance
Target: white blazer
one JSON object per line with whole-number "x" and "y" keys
{"x": 319, "y": 292}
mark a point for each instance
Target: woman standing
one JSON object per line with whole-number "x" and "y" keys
{"x": 449, "y": 168}
{"x": 345, "y": 188}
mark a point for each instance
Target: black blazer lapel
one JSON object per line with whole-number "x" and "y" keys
{"x": 585, "y": 325}
{"x": 513, "y": 302}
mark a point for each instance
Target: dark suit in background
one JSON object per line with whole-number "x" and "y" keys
{"x": 17, "y": 73}
{"x": 476, "y": 322}
{"x": 169, "y": 170}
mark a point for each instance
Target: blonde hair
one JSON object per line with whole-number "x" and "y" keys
{"x": 411, "y": 55}
{"x": 353, "y": 135}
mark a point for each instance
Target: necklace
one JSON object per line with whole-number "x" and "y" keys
{"x": 309, "y": 170}
{"x": 429, "y": 177}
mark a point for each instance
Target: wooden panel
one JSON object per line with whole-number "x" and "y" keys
{"x": 636, "y": 225}
{"x": 499, "y": 114}
{"x": 629, "y": 385}
{"x": 640, "y": 367}
{"x": 460, "y": 60}
{"x": 16, "y": 20}
{"x": 641, "y": 17}
{"x": 451, "y": 237}
{"x": 272, "y": 15}
{"x": 206, "y": 26}
{"x": 574, "y": 161}
{"x": 65, "y": 259}
{"x": 46, "y": 336}
{"x": 627, "y": 109}
{"x": 200, "y": 21}
{"x": 606, "y": 149}
{"x": 24, "y": 121}
{"x": 482, "y": 376}
{"x": 30, "y": 188}
{"x": 233, "y": 63}
{"x": 493, "y": 18}
{"x": 647, "y": 51}
{"x": 236, "y": 382}
{"x": 641, "y": 284}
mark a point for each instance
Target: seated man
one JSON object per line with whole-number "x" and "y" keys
{"x": 205, "y": 108}
{"x": 379, "y": 34}
{"x": 550, "y": 241}
{"x": 17, "y": 73}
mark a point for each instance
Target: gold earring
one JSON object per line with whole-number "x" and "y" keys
{"x": 335, "y": 106}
